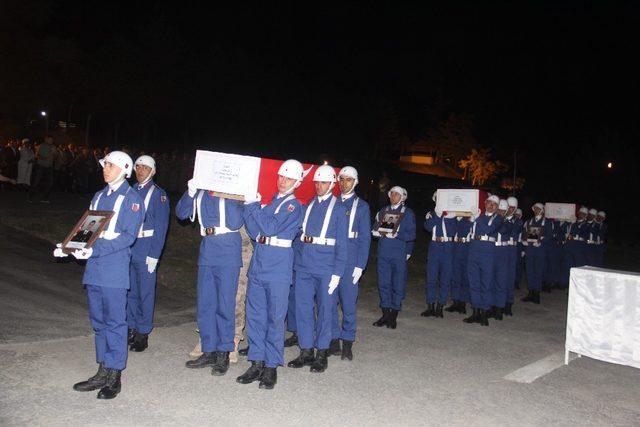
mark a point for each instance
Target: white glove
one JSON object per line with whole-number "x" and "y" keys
{"x": 333, "y": 284}
{"x": 450, "y": 215}
{"x": 82, "y": 253}
{"x": 248, "y": 200}
{"x": 357, "y": 274}
{"x": 151, "y": 264}
{"x": 428, "y": 215}
{"x": 408, "y": 256}
{"x": 191, "y": 188}
{"x": 438, "y": 212}
{"x": 58, "y": 251}
{"x": 522, "y": 254}
{"x": 375, "y": 233}
{"x": 391, "y": 236}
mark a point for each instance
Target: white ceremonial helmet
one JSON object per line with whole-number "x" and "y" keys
{"x": 512, "y": 201}
{"x": 519, "y": 211}
{"x": 538, "y": 205}
{"x": 146, "y": 161}
{"x": 602, "y": 214}
{"x": 120, "y": 159}
{"x": 325, "y": 173}
{"x": 503, "y": 205}
{"x": 350, "y": 172}
{"x": 292, "y": 169}
{"x": 584, "y": 210}
{"x": 493, "y": 198}
{"x": 435, "y": 196}
{"x": 401, "y": 191}
{"x": 593, "y": 211}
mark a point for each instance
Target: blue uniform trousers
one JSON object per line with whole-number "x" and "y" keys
{"x": 557, "y": 254}
{"x": 439, "y": 268}
{"x": 548, "y": 274}
{"x": 291, "y": 308}
{"x": 501, "y": 274}
{"x": 217, "y": 288}
{"x": 573, "y": 257}
{"x": 600, "y": 256}
{"x": 108, "y": 314}
{"x": 459, "y": 277}
{"x": 519, "y": 264}
{"x": 348, "y": 299}
{"x": 392, "y": 282}
{"x": 592, "y": 254}
{"x": 266, "y": 310}
{"x": 480, "y": 272}
{"x": 141, "y": 298}
{"x": 536, "y": 260}
{"x": 512, "y": 265}
{"x": 312, "y": 295}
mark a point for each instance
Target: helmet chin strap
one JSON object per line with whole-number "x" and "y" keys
{"x": 292, "y": 189}
{"x": 352, "y": 190}
{"x": 117, "y": 181}
{"x": 143, "y": 183}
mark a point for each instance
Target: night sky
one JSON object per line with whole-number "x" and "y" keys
{"x": 556, "y": 82}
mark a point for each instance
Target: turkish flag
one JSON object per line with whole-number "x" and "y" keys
{"x": 268, "y": 181}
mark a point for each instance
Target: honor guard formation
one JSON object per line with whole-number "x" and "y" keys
{"x": 306, "y": 262}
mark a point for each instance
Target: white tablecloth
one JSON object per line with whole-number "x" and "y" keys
{"x": 603, "y": 315}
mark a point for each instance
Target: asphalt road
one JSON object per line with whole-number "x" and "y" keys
{"x": 428, "y": 371}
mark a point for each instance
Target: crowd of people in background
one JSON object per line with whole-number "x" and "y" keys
{"x": 40, "y": 167}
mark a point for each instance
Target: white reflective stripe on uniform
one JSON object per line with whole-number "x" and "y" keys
{"x": 286, "y": 199}
{"x": 110, "y": 232}
{"x": 320, "y": 240}
{"x": 145, "y": 233}
{"x": 306, "y": 217}
{"x": 147, "y": 199}
{"x": 327, "y": 218}
{"x": 94, "y": 206}
{"x": 222, "y": 213}
{"x": 352, "y": 215}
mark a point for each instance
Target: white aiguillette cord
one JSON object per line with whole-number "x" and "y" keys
{"x": 327, "y": 218}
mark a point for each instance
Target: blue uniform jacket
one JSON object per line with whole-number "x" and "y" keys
{"x": 324, "y": 259}
{"x": 578, "y": 229}
{"x": 560, "y": 229}
{"x": 402, "y": 245}
{"x": 109, "y": 262}
{"x": 516, "y": 229}
{"x": 358, "y": 247}
{"x": 547, "y": 226}
{"x": 434, "y": 225}
{"x": 485, "y": 225}
{"x": 156, "y": 218}
{"x": 463, "y": 228}
{"x": 271, "y": 263}
{"x": 216, "y": 250}
{"x": 506, "y": 230}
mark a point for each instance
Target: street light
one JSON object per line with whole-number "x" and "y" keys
{"x": 43, "y": 113}
{"x": 609, "y": 165}
{"x": 46, "y": 122}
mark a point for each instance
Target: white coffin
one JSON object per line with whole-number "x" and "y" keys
{"x": 560, "y": 211}
{"x": 230, "y": 174}
{"x": 461, "y": 201}
{"x": 603, "y": 315}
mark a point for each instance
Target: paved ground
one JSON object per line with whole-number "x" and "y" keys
{"x": 425, "y": 372}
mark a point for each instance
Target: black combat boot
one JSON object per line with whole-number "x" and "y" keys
{"x": 291, "y": 341}
{"x": 382, "y": 320}
{"x": 497, "y": 313}
{"x": 483, "y": 319}
{"x": 507, "y": 310}
{"x": 304, "y": 359}
{"x": 462, "y": 307}
{"x": 320, "y": 362}
{"x": 252, "y": 374}
{"x": 473, "y": 318}
{"x": 268, "y": 379}
{"x": 140, "y": 342}
{"x": 490, "y": 312}
{"x": 393, "y": 316}
{"x": 222, "y": 364}
{"x": 207, "y": 359}
{"x": 439, "y": 312}
{"x": 112, "y": 385}
{"x": 536, "y": 297}
{"x": 453, "y": 307}
{"x": 546, "y": 286}
{"x": 528, "y": 298}
{"x": 347, "y": 354}
{"x": 430, "y": 311}
{"x": 334, "y": 348}
{"x": 131, "y": 334}
{"x": 95, "y": 382}
{"x": 244, "y": 351}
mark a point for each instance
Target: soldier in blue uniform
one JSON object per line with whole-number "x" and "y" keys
{"x": 219, "y": 265}
{"x": 501, "y": 263}
{"x": 459, "y": 277}
{"x": 514, "y": 255}
{"x": 273, "y": 227}
{"x": 592, "y": 248}
{"x": 480, "y": 261}
{"x": 145, "y": 254}
{"x": 556, "y": 244}
{"x": 601, "y": 238}
{"x": 575, "y": 246}
{"x": 394, "y": 250}
{"x": 520, "y": 251}
{"x": 106, "y": 276}
{"x": 443, "y": 227}
{"x": 359, "y": 240}
{"x": 319, "y": 265}
{"x": 538, "y": 233}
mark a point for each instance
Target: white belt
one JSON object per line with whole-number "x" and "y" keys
{"x": 216, "y": 231}
{"x": 353, "y": 235}
{"x": 511, "y": 243}
{"x": 441, "y": 239}
{"x": 318, "y": 240}
{"x": 274, "y": 241}
{"x": 502, "y": 243}
{"x": 579, "y": 239}
{"x": 461, "y": 240}
{"x": 145, "y": 233}
{"x": 592, "y": 242}
{"x": 485, "y": 238}
{"x": 108, "y": 235}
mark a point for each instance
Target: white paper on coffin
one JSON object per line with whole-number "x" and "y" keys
{"x": 561, "y": 211}
{"x": 458, "y": 200}
{"x": 603, "y": 315}
{"x": 226, "y": 173}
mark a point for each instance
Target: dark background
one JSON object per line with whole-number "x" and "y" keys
{"x": 554, "y": 81}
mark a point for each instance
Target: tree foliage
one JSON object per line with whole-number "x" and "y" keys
{"x": 479, "y": 166}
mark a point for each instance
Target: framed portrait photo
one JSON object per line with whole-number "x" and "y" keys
{"x": 389, "y": 223}
{"x": 86, "y": 230}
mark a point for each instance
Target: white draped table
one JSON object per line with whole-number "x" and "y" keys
{"x": 603, "y": 315}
